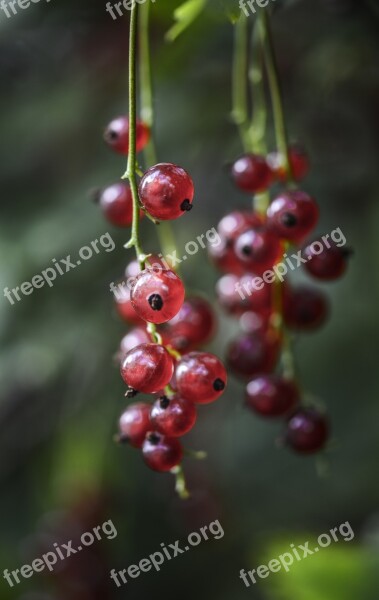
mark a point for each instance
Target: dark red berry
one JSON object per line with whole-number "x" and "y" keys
{"x": 299, "y": 163}
{"x": 305, "y": 308}
{"x": 157, "y": 295}
{"x": 325, "y": 263}
{"x": 258, "y": 249}
{"x": 116, "y": 135}
{"x": 166, "y": 191}
{"x": 307, "y": 431}
{"x": 271, "y": 395}
{"x": 161, "y": 453}
{"x": 117, "y": 204}
{"x": 194, "y": 324}
{"x": 134, "y": 424}
{"x": 173, "y": 417}
{"x": 293, "y": 215}
{"x": 252, "y": 174}
{"x": 253, "y": 353}
{"x": 200, "y": 377}
{"x": 147, "y": 368}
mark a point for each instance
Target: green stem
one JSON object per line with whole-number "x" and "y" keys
{"x": 276, "y": 94}
{"x": 180, "y": 483}
{"x": 240, "y": 110}
{"x": 164, "y": 231}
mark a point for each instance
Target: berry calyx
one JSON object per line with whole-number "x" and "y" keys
{"x": 253, "y": 353}
{"x": 116, "y": 135}
{"x": 157, "y": 295}
{"x": 173, "y": 417}
{"x": 200, "y": 377}
{"x": 116, "y": 203}
{"x": 271, "y": 395}
{"x": 305, "y": 308}
{"x": 161, "y": 453}
{"x": 292, "y": 215}
{"x": 147, "y": 368}
{"x": 307, "y": 431}
{"x": 134, "y": 424}
{"x": 327, "y": 265}
{"x": 251, "y": 173}
{"x": 166, "y": 191}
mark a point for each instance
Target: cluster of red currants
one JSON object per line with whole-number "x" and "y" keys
{"x": 269, "y": 308}
{"x": 162, "y": 361}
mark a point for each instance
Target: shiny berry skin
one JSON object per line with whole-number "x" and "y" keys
{"x": 116, "y": 135}
{"x": 147, "y": 368}
{"x": 271, "y": 395}
{"x": 134, "y": 424}
{"x": 258, "y": 249}
{"x": 194, "y": 324}
{"x": 307, "y": 431}
{"x": 200, "y": 377}
{"x": 299, "y": 163}
{"x": 157, "y": 296}
{"x": 166, "y": 191}
{"x": 161, "y": 453}
{"x": 251, "y": 173}
{"x": 305, "y": 308}
{"x": 116, "y": 203}
{"x": 292, "y": 215}
{"x": 329, "y": 264}
{"x": 253, "y": 353}
{"x": 173, "y": 417}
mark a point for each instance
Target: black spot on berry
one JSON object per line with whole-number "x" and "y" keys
{"x": 155, "y": 301}
{"x": 218, "y": 385}
{"x": 289, "y": 220}
{"x": 186, "y": 205}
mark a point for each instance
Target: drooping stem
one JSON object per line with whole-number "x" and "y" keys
{"x": 275, "y": 89}
{"x": 130, "y": 172}
{"x": 180, "y": 483}
{"x": 164, "y": 231}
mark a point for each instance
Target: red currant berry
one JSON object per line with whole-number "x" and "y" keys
{"x": 271, "y": 396}
{"x": 157, "y": 296}
{"x": 238, "y": 295}
{"x": 236, "y": 222}
{"x": 293, "y": 215}
{"x": 116, "y": 135}
{"x": 147, "y": 368}
{"x": 299, "y": 163}
{"x": 135, "y": 337}
{"x": 117, "y": 204}
{"x": 161, "y": 453}
{"x": 305, "y": 308}
{"x": 258, "y": 249}
{"x": 252, "y": 322}
{"x": 252, "y": 174}
{"x": 124, "y": 306}
{"x": 327, "y": 265}
{"x": 173, "y": 417}
{"x": 134, "y": 424}
{"x": 200, "y": 377}
{"x": 166, "y": 191}
{"x": 253, "y": 353}
{"x": 194, "y": 324}
{"x": 307, "y": 431}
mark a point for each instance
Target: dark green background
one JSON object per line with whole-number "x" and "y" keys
{"x": 63, "y": 77}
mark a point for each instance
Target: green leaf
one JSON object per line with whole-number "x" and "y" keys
{"x": 184, "y": 16}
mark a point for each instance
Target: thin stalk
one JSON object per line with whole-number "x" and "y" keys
{"x": 180, "y": 483}
{"x": 275, "y": 90}
{"x": 240, "y": 104}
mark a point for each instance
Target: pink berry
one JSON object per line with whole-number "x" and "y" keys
{"x": 271, "y": 395}
{"x": 161, "y": 453}
{"x": 134, "y": 424}
{"x": 147, "y": 368}
{"x": 173, "y": 417}
{"x": 293, "y": 215}
{"x": 252, "y": 174}
{"x": 116, "y": 135}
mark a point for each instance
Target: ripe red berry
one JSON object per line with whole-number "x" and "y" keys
{"x": 305, "y": 308}
{"x": 258, "y": 249}
{"x": 124, "y": 306}
{"x": 200, "y": 377}
{"x": 299, "y": 163}
{"x": 327, "y": 265}
{"x": 271, "y": 395}
{"x": 116, "y": 203}
{"x": 307, "y": 431}
{"x": 253, "y": 353}
{"x": 173, "y": 417}
{"x": 252, "y": 174}
{"x": 166, "y": 191}
{"x": 161, "y": 453}
{"x": 194, "y": 324}
{"x": 292, "y": 215}
{"x": 147, "y": 368}
{"x": 116, "y": 135}
{"x": 157, "y": 295}
{"x": 134, "y": 424}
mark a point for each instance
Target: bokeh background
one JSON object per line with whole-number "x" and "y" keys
{"x": 63, "y": 74}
